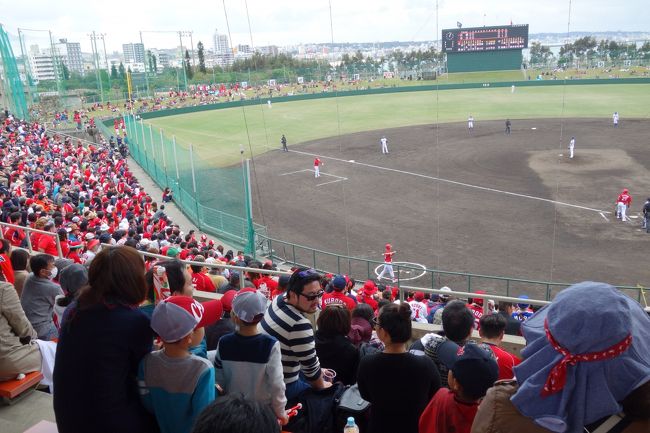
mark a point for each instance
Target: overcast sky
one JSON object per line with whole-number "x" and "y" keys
{"x": 288, "y": 22}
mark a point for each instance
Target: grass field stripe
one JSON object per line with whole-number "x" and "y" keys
{"x": 453, "y": 182}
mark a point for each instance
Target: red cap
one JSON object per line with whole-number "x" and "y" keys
{"x": 226, "y": 299}
{"x": 419, "y": 296}
{"x": 206, "y": 312}
{"x": 369, "y": 287}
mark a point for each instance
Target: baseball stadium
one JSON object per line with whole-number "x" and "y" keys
{"x": 496, "y": 178}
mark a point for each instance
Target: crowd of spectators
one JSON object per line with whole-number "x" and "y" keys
{"x": 124, "y": 346}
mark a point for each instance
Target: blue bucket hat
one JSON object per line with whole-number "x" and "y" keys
{"x": 591, "y": 347}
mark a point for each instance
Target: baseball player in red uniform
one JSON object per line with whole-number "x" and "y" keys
{"x": 388, "y": 263}
{"x": 623, "y": 203}
{"x": 317, "y": 164}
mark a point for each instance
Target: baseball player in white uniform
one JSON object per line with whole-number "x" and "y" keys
{"x": 572, "y": 145}
{"x": 384, "y": 145}
{"x": 615, "y": 118}
{"x": 470, "y": 123}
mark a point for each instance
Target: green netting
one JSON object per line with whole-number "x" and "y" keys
{"x": 13, "y": 92}
{"x": 215, "y": 198}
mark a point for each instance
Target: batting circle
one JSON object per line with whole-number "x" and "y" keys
{"x": 418, "y": 265}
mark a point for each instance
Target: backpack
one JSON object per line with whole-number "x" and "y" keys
{"x": 318, "y": 410}
{"x": 351, "y": 404}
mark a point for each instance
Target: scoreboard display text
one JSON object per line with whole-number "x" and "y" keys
{"x": 480, "y": 39}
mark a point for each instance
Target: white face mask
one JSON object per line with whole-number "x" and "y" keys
{"x": 53, "y": 273}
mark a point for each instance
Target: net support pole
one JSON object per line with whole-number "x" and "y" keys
{"x": 178, "y": 178}
{"x": 164, "y": 157}
{"x": 250, "y": 228}
{"x": 196, "y": 197}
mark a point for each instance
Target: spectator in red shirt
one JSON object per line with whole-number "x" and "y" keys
{"x": 337, "y": 296}
{"x": 493, "y": 327}
{"x": 367, "y": 294}
{"x": 15, "y": 236}
{"x": 47, "y": 243}
{"x": 6, "y": 270}
{"x": 199, "y": 278}
{"x": 472, "y": 371}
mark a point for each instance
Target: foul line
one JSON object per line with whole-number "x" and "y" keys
{"x": 338, "y": 178}
{"x": 453, "y": 182}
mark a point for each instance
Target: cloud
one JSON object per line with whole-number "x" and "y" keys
{"x": 285, "y": 22}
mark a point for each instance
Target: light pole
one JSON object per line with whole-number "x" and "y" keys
{"x": 98, "y": 74}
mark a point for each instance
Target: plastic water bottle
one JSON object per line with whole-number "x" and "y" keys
{"x": 351, "y": 426}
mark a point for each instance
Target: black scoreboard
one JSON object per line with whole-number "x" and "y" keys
{"x": 481, "y": 39}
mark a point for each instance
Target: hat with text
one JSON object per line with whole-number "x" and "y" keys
{"x": 177, "y": 316}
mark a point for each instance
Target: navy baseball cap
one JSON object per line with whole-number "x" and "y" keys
{"x": 473, "y": 366}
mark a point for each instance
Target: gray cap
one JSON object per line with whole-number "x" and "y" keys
{"x": 249, "y": 306}
{"x": 73, "y": 278}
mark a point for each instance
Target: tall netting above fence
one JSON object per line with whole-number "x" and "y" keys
{"x": 13, "y": 92}
{"x": 215, "y": 198}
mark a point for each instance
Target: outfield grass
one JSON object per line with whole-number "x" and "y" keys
{"x": 218, "y": 134}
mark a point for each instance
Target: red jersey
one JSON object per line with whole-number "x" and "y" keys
{"x": 477, "y": 312}
{"x": 47, "y": 245}
{"x": 317, "y": 162}
{"x": 338, "y": 298}
{"x": 445, "y": 413}
{"x": 6, "y": 269}
{"x": 202, "y": 282}
{"x": 388, "y": 256}
{"x": 624, "y": 198}
{"x": 505, "y": 360}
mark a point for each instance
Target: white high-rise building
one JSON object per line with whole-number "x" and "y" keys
{"x": 221, "y": 45}
{"x": 133, "y": 53}
{"x": 42, "y": 67}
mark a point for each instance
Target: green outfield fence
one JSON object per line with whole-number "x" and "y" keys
{"x": 216, "y": 199}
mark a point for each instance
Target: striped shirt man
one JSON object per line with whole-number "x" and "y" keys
{"x": 296, "y": 336}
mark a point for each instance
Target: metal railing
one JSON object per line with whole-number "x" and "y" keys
{"x": 427, "y": 279}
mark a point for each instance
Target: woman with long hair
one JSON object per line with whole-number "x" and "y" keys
{"x": 103, "y": 338}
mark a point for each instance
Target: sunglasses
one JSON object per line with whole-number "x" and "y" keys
{"x": 313, "y": 297}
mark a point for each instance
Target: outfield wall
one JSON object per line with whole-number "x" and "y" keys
{"x": 427, "y": 88}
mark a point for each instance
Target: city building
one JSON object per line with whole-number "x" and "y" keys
{"x": 71, "y": 55}
{"x": 221, "y": 45}
{"x": 42, "y": 67}
{"x": 133, "y": 53}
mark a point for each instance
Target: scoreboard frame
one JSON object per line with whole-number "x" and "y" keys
{"x": 485, "y": 39}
